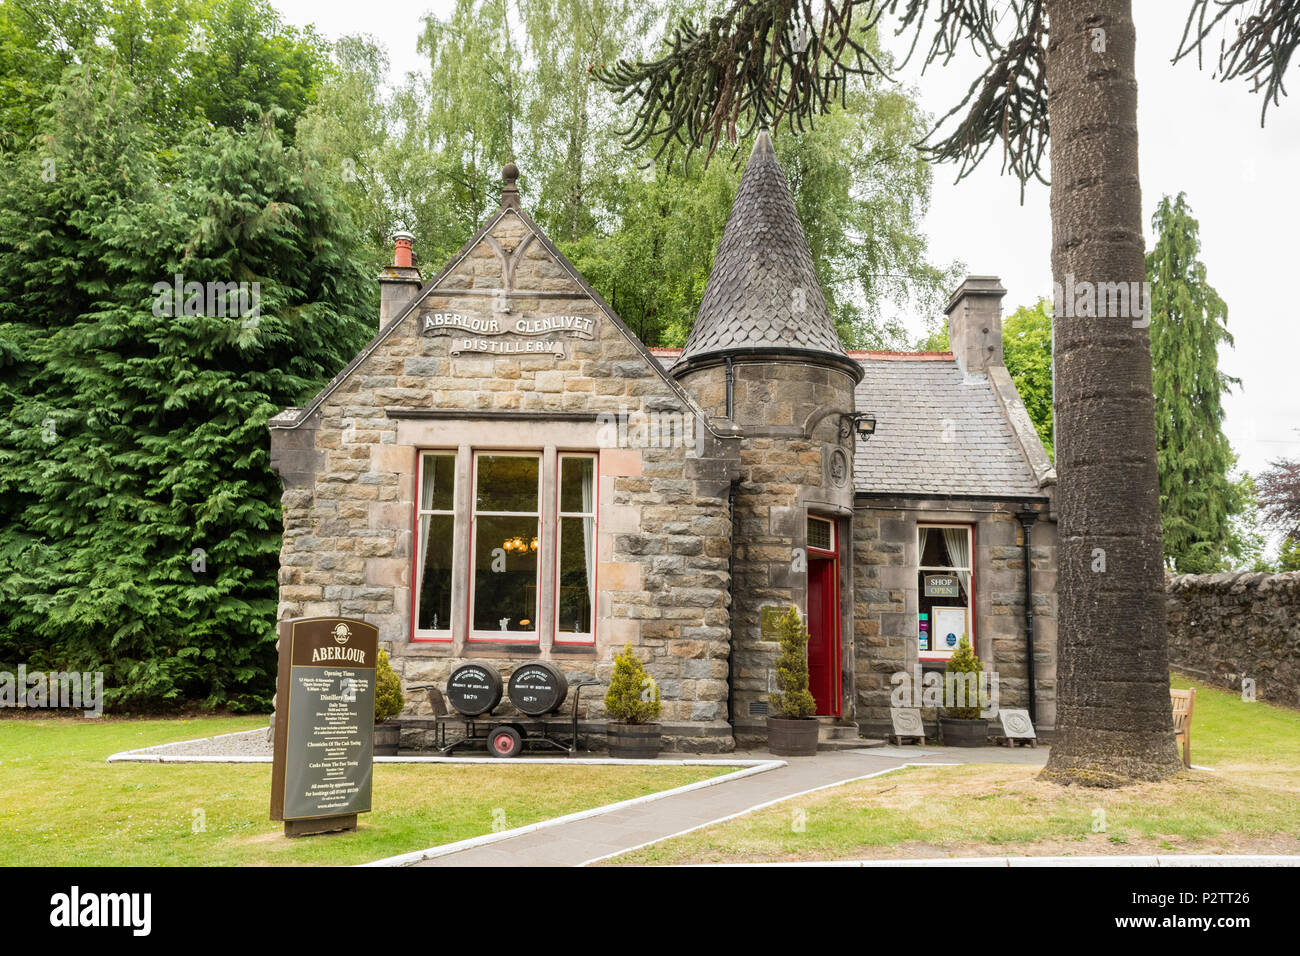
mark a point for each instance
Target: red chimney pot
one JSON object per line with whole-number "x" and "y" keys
{"x": 402, "y": 250}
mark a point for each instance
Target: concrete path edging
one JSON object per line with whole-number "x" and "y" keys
{"x": 417, "y": 856}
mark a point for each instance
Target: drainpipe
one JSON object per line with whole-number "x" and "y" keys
{"x": 730, "y": 380}
{"x": 1027, "y": 519}
{"x": 731, "y": 603}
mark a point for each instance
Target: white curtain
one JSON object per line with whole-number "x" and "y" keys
{"x": 589, "y": 533}
{"x": 958, "y": 542}
{"x": 426, "y": 502}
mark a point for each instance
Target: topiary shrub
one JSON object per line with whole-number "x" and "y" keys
{"x": 633, "y": 696}
{"x": 388, "y": 690}
{"x": 793, "y": 701}
{"x": 963, "y": 662}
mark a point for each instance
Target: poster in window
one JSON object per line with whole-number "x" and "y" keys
{"x": 949, "y": 626}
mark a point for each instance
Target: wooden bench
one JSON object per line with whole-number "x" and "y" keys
{"x": 1183, "y": 701}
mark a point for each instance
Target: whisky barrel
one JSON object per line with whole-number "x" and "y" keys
{"x": 474, "y": 688}
{"x": 538, "y": 689}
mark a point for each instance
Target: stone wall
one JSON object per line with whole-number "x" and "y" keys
{"x": 886, "y": 596}
{"x": 794, "y": 461}
{"x": 1225, "y": 627}
{"x": 663, "y": 529}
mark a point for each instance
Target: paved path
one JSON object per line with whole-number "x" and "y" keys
{"x": 583, "y": 841}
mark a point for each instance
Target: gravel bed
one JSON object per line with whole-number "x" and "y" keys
{"x": 245, "y": 743}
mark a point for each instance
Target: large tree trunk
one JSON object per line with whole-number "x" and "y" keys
{"x": 1114, "y": 724}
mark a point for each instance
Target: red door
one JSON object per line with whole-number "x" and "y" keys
{"x": 823, "y": 635}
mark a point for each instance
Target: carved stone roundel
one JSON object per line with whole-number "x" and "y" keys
{"x": 839, "y": 467}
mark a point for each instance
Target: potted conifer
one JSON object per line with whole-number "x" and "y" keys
{"x": 791, "y": 727}
{"x": 388, "y": 704}
{"x": 632, "y": 704}
{"x": 961, "y": 725}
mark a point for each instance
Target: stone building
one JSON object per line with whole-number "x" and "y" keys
{"x": 506, "y": 473}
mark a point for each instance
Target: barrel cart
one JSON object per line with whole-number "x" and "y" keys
{"x": 474, "y": 691}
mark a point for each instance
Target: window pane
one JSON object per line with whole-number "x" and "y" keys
{"x": 507, "y": 483}
{"x": 577, "y": 485}
{"x": 438, "y": 483}
{"x": 505, "y": 573}
{"x": 819, "y": 534}
{"x": 577, "y": 574}
{"x": 435, "y": 572}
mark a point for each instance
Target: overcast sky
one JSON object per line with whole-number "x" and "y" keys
{"x": 1196, "y": 136}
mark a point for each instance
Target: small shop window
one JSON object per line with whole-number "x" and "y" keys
{"x": 821, "y": 534}
{"x": 945, "y": 582}
{"x": 434, "y": 545}
{"x": 506, "y": 544}
{"x": 575, "y": 564}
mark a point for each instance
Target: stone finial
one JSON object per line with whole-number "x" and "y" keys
{"x": 510, "y": 189}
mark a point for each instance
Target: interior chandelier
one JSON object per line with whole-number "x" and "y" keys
{"x": 519, "y": 545}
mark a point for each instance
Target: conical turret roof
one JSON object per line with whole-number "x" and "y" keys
{"x": 763, "y": 294}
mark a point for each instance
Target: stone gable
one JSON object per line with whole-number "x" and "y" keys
{"x": 509, "y": 349}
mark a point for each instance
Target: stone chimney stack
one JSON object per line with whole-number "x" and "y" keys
{"x": 975, "y": 323}
{"x": 399, "y": 282}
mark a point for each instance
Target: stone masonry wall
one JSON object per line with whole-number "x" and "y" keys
{"x": 663, "y": 524}
{"x": 886, "y": 602}
{"x": 786, "y": 474}
{"x": 1226, "y": 627}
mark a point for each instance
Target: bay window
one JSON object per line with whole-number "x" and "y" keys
{"x": 494, "y": 555}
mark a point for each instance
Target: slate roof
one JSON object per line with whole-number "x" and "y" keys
{"x": 938, "y": 431}
{"x": 763, "y": 292}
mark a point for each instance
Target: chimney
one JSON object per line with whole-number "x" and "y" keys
{"x": 399, "y": 282}
{"x": 975, "y": 323}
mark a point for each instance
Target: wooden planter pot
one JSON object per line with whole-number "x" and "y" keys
{"x": 792, "y": 738}
{"x": 963, "y": 733}
{"x": 633, "y": 741}
{"x": 387, "y": 737}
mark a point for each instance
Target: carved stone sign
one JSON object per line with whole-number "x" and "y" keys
{"x": 479, "y": 333}
{"x": 1016, "y": 724}
{"x": 324, "y": 731}
{"x": 906, "y": 722}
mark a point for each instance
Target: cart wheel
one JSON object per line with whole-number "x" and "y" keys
{"x": 504, "y": 742}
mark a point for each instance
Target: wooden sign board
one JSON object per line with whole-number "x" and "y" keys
{"x": 325, "y": 724}
{"x": 942, "y": 585}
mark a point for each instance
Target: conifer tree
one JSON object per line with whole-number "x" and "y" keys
{"x": 139, "y": 517}
{"x": 1188, "y": 324}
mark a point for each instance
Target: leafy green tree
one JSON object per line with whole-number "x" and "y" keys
{"x": 139, "y": 517}
{"x": 1188, "y": 325}
{"x": 1027, "y": 352}
{"x": 1278, "y": 490}
{"x": 191, "y": 62}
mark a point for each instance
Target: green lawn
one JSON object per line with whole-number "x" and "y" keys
{"x": 1250, "y": 803}
{"x": 61, "y": 804}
